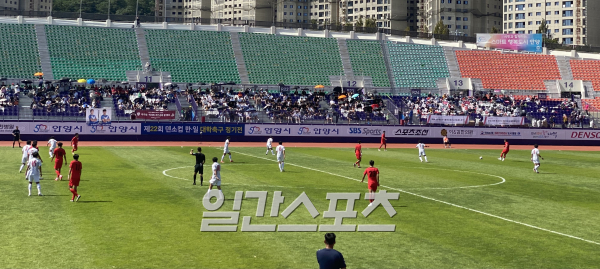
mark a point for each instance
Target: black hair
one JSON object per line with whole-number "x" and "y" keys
{"x": 52, "y": 137}
{"x": 103, "y": 110}
{"x": 280, "y": 142}
{"x": 60, "y": 144}
{"x": 199, "y": 149}
{"x": 76, "y": 157}
{"x": 34, "y": 142}
{"x": 535, "y": 146}
{"x": 28, "y": 142}
{"x": 35, "y": 155}
{"x": 215, "y": 159}
{"x": 358, "y": 141}
{"x": 419, "y": 141}
{"x": 76, "y": 133}
{"x": 371, "y": 162}
{"x": 330, "y": 238}
{"x": 228, "y": 137}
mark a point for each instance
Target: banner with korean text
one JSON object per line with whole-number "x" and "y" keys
{"x": 525, "y": 42}
{"x": 503, "y": 121}
{"x": 440, "y": 119}
{"x": 61, "y": 128}
{"x": 155, "y": 114}
{"x": 176, "y": 128}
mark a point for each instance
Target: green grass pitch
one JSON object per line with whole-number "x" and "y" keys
{"x": 133, "y": 216}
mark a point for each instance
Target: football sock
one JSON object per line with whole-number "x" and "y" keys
{"x": 29, "y": 189}
{"x": 371, "y": 200}
{"x": 194, "y": 178}
{"x": 426, "y": 159}
{"x": 420, "y": 158}
{"x": 201, "y": 179}
{"x": 57, "y": 173}
{"x": 222, "y": 157}
{"x": 272, "y": 152}
{"x": 39, "y": 187}
{"x": 279, "y": 166}
{"x": 282, "y": 166}
{"x": 230, "y": 157}
{"x": 267, "y": 152}
{"x": 21, "y": 169}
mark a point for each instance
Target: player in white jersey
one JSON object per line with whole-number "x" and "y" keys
{"x": 226, "y": 150}
{"x": 269, "y": 145}
{"x": 421, "y": 148}
{"x": 535, "y": 158}
{"x": 34, "y": 172}
{"x": 280, "y": 156}
{"x": 52, "y": 142}
{"x": 25, "y": 157}
{"x": 32, "y": 149}
{"x": 215, "y": 179}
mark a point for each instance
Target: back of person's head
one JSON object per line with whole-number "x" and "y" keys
{"x": 535, "y": 146}
{"x": 199, "y": 149}
{"x": 60, "y": 144}
{"x": 371, "y": 162}
{"x": 329, "y": 238}
{"x": 76, "y": 157}
{"x": 358, "y": 141}
{"x": 35, "y": 155}
{"x": 419, "y": 141}
{"x": 28, "y": 142}
{"x": 228, "y": 137}
{"x": 215, "y": 159}
{"x": 52, "y": 137}
{"x": 34, "y": 143}
{"x": 280, "y": 143}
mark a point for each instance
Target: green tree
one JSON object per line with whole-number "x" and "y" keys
{"x": 495, "y": 30}
{"x": 441, "y": 29}
{"x": 360, "y": 22}
{"x": 119, "y": 7}
{"x": 370, "y": 23}
{"x": 407, "y": 29}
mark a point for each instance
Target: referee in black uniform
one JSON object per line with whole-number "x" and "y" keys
{"x": 16, "y": 136}
{"x": 198, "y": 168}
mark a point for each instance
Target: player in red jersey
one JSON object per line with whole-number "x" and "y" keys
{"x": 358, "y": 153}
{"x": 504, "y": 151}
{"x": 74, "y": 177}
{"x": 383, "y": 142}
{"x": 373, "y": 174}
{"x": 60, "y": 154}
{"x": 74, "y": 143}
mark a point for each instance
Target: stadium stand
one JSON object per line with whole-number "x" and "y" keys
{"x": 417, "y": 66}
{"x": 128, "y": 99}
{"x": 47, "y": 102}
{"x": 89, "y": 52}
{"x": 587, "y": 70}
{"x": 291, "y": 60}
{"x": 193, "y": 56}
{"x": 508, "y": 71}
{"x": 19, "y": 56}
{"x": 367, "y": 60}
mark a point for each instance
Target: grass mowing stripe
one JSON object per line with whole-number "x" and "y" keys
{"x": 440, "y": 201}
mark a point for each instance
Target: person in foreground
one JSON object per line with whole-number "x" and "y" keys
{"x": 535, "y": 158}
{"x": 34, "y": 172}
{"x": 215, "y": 180}
{"x": 328, "y": 257}
{"x": 373, "y": 180}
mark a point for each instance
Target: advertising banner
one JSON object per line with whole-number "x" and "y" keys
{"x": 439, "y": 119}
{"x": 155, "y": 115}
{"x": 8, "y": 127}
{"x": 61, "y": 128}
{"x": 503, "y": 121}
{"x": 98, "y": 116}
{"x": 526, "y": 42}
{"x": 583, "y": 134}
{"x": 191, "y": 129}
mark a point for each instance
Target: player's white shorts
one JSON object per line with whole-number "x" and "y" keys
{"x": 280, "y": 158}
{"x": 226, "y": 151}
{"x": 536, "y": 160}
{"x": 33, "y": 178}
{"x": 52, "y": 151}
{"x": 25, "y": 159}
{"x": 421, "y": 153}
{"x": 269, "y": 147}
{"x": 215, "y": 182}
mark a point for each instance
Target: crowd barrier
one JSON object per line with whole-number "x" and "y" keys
{"x": 177, "y": 131}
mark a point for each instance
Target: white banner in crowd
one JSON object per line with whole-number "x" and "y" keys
{"x": 419, "y": 132}
{"x": 503, "y": 121}
{"x": 440, "y": 119}
{"x": 98, "y": 116}
{"x": 70, "y": 128}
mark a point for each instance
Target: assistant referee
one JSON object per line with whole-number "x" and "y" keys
{"x": 16, "y": 136}
{"x": 198, "y": 168}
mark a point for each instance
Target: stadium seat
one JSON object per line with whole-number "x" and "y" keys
{"x": 508, "y": 71}
{"x": 291, "y": 60}
{"x": 417, "y": 66}
{"x": 19, "y": 56}
{"x": 587, "y": 70}
{"x": 367, "y": 60}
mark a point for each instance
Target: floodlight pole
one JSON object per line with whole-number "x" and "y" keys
{"x": 137, "y": 3}
{"x": 109, "y": 9}
{"x": 80, "y": 7}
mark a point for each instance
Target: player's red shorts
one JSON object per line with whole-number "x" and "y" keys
{"x": 75, "y": 147}
{"x": 373, "y": 186}
{"x": 383, "y": 142}
{"x": 504, "y": 151}
{"x": 58, "y": 164}
{"x": 358, "y": 156}
{"x": 74, "y": 182}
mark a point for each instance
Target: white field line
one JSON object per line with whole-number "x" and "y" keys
{"x": 440, "y": 201}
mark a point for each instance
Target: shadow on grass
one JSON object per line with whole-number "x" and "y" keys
{"x": 56, "y": 195}
{"x": 94, "y": 202}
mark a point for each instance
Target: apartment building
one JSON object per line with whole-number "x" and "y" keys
{"x": 462, "y": 17}
{"x": 26, "y": 5}
{"x": 566, "y": 19}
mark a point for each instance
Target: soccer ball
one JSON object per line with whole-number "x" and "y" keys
{"x": 480, "y": 157}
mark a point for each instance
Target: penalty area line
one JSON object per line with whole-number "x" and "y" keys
{"x": 440, "y": 201}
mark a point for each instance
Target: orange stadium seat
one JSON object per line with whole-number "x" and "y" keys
{"x": 508, "y": 71}
{"x": 587, "y": 70}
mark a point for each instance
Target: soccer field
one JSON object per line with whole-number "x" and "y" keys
{"x": 139, "y": 209}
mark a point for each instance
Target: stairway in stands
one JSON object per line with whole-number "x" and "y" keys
{"x": 44, "y": 52}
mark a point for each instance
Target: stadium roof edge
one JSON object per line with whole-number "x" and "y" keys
{"x": 280, "y": 31}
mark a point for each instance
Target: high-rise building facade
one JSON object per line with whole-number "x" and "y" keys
{"x": 26, "y": 5}
{"x": 462, "y": 17}
{"x": 565, "y": 19}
